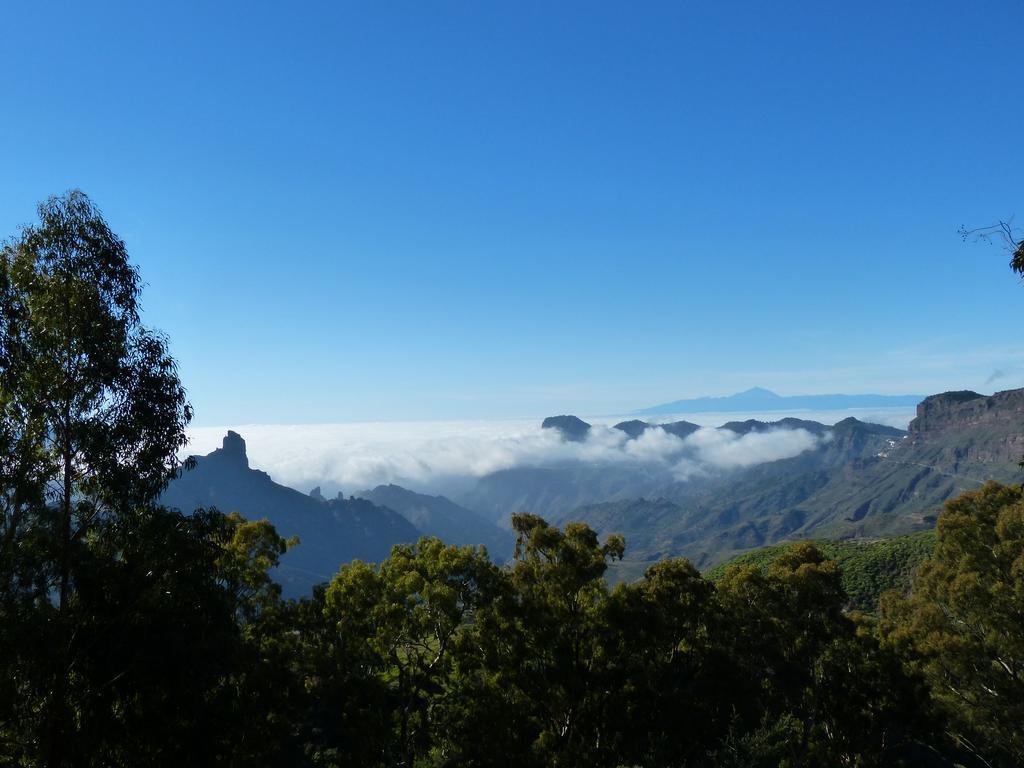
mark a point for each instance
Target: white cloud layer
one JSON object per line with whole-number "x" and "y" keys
{"x": 425, "y": 455}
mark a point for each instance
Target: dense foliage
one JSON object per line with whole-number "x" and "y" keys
{"x": 963, "y": 626}
{"x": 136, "y": 636}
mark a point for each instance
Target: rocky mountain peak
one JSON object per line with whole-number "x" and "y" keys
{"x": 232, "y": 450}
{"x": 633, "y": 428}
{"x": 571, "y": 427}
{"x": 963, "y": 408}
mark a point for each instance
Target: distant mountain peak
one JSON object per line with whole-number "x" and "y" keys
{"x": 759, "y": 391}
{"x": 635, "y": 428}
{"x": 761, "y": 399}
{"x": 232, "y": 450}
{"x": 571, "y": 427}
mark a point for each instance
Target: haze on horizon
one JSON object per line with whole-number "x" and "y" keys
{"x": 476, "y": 212}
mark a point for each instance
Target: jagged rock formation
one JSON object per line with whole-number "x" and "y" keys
{"x": 330, "y": 532}
{"x": 231, "y": 453}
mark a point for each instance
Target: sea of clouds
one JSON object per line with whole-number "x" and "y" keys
{"x": 430, "y": 455}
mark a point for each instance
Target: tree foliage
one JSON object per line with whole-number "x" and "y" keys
{"x": 92, "y": 415}
{"x": 963, "y": 626}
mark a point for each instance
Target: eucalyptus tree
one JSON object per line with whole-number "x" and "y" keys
{"x": 92, "y": 416}
{"x": 963, "y": 624}
{"x": 385, "y": 658}
{"x": 553, "y": 657}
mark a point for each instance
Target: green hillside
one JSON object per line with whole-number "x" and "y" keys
{"x": 869, "y": 568}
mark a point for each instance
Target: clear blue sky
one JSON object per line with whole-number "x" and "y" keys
{"x": 440, "y": 210}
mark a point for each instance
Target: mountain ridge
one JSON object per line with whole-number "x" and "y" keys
{"x": 760, "y": 399}
{"x": 867, "y": 481}
{"x": 441, "y": 517}
{"x": 330, "y": 531}
{"x": 857, "y": 480}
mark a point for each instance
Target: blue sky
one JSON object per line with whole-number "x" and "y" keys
{"x": 465, "y": 210}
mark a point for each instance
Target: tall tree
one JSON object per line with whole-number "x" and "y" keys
{"x": 963, "y": 624}
{"x": 555, "y": 655}
{"x": 92, "y": 415}
{"x": 812, "y": 687}
{"x": 383, "y": 660}
{"x": 667, "y": 651}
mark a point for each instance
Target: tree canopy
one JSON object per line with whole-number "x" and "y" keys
{"x": 963, "y": 625}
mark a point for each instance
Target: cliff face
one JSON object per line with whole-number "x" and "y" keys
{"x": 987, "y": 430}
{"x": 957, "y": 410}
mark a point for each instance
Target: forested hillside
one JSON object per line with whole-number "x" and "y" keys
{"x": 868, "y": 569}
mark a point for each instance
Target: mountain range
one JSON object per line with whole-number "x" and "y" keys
{"x": 330, "y": 531}
{"x": 441, "y": 517}
{"x": 866, "y": 481}
{"x": 853, "y": 481}
{"x": 759, "y": 399}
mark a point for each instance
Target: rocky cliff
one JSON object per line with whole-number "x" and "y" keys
{"x": 972, "y": 428}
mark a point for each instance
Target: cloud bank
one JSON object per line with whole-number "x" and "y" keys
{"x": 426, "y": 455}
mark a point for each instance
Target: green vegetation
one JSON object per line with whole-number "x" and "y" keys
{"x": 136, "y": 636}
{"x": 963, "y": 626}
{"x": 868, "y": 568}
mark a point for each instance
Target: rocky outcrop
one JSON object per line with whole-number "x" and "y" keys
{"x": 967, "y": 428}
{"x": 680, "y": 428}
{"x": 231, "y": 452}
{"x": 571, "y": 427}
{"x": 965, "y": 409}
{"x": 635, "y": 428}
{"x": 753, "y": 425}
